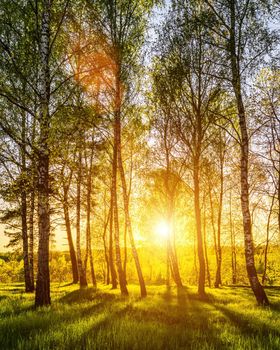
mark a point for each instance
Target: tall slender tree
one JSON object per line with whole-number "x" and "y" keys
{"x": 241, "y": 28}
{"x": 186, "y": 68}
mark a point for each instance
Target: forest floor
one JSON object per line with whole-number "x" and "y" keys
{"x": 167, "y": 319}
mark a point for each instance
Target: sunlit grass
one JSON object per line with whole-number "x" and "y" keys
{"x": 166, "y": 319}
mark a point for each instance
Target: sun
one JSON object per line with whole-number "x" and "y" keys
{"x": 162, "y": 229}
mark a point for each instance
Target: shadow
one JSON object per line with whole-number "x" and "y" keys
{"x": 275, "y": 306}
{"x": 79, "y": 296}
{"x": 104, "y": 325}
{"x": 167, "y": 295}
{"x": 13, "y": 290}
{"x": 272, "y": 288}
{"x": 17, "y": 311}
{"x": 182, "y": 297}
{"x": 68, "y": 284}
{"x": 187, "y": 316}
{"x": 206, "y": 298}
{"x": 176, "y": 318}
{"x": 247, "y": 326}
{"x": 87, "y": 294}
{"x": 41, "y": 322}
{"x": 272, "y": 292}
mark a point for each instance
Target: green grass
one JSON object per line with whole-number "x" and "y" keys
{"x": 166, "y": 319}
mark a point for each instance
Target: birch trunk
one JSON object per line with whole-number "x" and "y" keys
{"x": 205, "y": 243}
{"x": 81, "y": 271}
{"x": 29, "y": 287}
{"x": 244, "y": 150}
{"x": 42, "y": 296}
{"x": 264, "y": 277}
{"x": 128, "y": 222}
{"x": 111, "y": 251}
{"x": 75, "y": 274}
{"x": 31, "y": 234}
{"x": 106, "y": 222}
{"x": 218, "y": 280}
{"x": 122, "y": 280}
{"x": 233, "y": 246}
{"x": 88, "y": 227}
{"x": 200, "y": 253}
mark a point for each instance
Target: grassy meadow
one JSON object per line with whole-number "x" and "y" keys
{"x": 167, "y": 319}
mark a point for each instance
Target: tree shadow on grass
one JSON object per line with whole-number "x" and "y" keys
{"x": 172, "y": 322}
{"x": 68, "y": 284}
{"x": 104, "y": 325}
{"x": 273, "y": 292}
{"x": 78, "y": 296}
{"x": 176, "y": 319}
{"x": 18, "y": 310}
{"x": 248, "y": 326}
{"x": 42, "y": 321}
{"x": 184, "y": 296}
{"x": 276, "y": 288}
{"x": 275, "y": 306}
{"x": 26, "y": 324}
{"x": 13, "y": 290}
{"x": 86, "y": 294}
{"x": 167, "y": 295}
